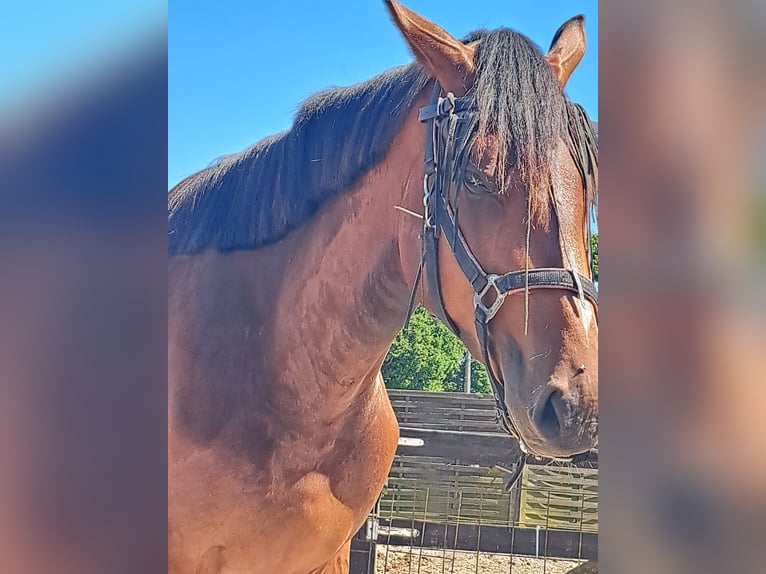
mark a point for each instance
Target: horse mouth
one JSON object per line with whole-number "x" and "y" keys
{"x": 556, "y": 432}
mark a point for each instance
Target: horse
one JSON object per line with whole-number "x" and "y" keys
{"x": 461, "y": 182}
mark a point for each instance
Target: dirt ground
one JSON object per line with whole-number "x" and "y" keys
{"x": 399, "y": 560}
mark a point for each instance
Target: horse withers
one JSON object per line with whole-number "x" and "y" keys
{"x": 295, "y": 263}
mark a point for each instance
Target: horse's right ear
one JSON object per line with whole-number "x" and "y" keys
{"x": 445, "y": 58}
{"x": 567, "y": 48}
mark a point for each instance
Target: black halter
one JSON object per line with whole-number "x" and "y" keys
{"x": 451, "y": 132}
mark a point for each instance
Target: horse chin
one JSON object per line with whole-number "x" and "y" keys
{"x": 542, "y": 448}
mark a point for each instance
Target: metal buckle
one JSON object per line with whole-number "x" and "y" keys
{"x": 446, "y": 104}
{"x": 492, "y": 310}
{"x": 427, "y": 200}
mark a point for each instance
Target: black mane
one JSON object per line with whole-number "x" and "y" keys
{"x": 522, "y": 104}
{"x": 256, "y": 197}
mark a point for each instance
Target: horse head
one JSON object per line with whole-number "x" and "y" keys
{"x": 510, "y": 176}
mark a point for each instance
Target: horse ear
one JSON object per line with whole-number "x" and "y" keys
{"x": 445, "y": 58}
{"x": 567, "y": 48}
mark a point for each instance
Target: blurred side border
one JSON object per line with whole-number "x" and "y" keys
{"x": 83, "y": 360}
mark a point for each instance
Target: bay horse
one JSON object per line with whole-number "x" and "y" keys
{"x": 294, "y": 264}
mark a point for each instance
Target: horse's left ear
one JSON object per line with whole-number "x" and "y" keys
{"x": 567, "y": 48}
{"x": 445, "y": 58}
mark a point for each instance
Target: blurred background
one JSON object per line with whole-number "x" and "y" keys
{"x": 683, "y": 297}
{"x": 83, "y": 178}
{"x": 83, "y": 168}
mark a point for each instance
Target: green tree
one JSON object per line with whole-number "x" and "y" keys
{"x": 479, "y": 378}
{"x": 424, "y": 356}
{"x": 594, "y": 247}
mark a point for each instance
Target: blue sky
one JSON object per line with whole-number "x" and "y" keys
{"x": 238, "y": 69}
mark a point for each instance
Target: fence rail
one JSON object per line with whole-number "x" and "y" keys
{"x": 537, "y": 542}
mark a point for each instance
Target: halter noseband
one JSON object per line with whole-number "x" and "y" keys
{"x": 452, "y": 130}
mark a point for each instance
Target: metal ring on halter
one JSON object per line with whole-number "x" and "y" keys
{"x": 492, "y": 310}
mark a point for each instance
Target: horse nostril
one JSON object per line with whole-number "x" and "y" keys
{"x": 552, "y": 414}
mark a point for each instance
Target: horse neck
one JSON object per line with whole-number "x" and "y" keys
{"x": 350, "y": 274}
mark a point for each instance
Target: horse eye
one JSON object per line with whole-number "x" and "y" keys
{"x": 474, "y": 184}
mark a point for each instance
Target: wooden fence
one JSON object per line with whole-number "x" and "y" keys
{"x": 446, "y": 488}
{"x": 444, "y": 411}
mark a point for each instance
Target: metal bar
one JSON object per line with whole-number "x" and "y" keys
{"x": 498, "y": 539}
{"x": 467, "y": 373}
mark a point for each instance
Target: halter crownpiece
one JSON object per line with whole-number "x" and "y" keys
{"x": 452, "y": 128}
